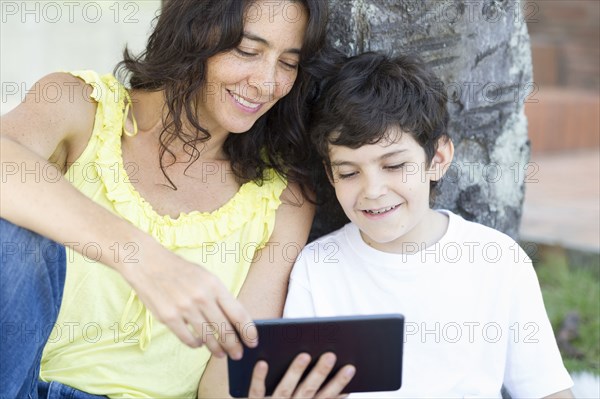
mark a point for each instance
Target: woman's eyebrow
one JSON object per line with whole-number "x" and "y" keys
{"x": 342, "y": 163}
{"x": 253, "y": 37}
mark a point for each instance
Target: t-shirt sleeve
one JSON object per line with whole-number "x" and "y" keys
{"x": 534, "y": 366}
{"x": 299, "y": 300}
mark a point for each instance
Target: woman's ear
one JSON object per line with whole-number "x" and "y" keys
{"x": 442, "y": 158}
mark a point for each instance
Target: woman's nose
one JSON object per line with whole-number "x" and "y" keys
{"x": 263, "y": 84}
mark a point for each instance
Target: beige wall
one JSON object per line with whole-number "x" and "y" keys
{"x": 38, "y": 37}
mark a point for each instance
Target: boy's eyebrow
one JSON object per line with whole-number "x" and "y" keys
{"x": 253, "y": 37}
{"x": 391, "y": 154}
{"x": 384, "y": 156}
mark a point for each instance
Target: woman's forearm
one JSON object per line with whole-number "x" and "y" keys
{"x": 36, "y": 196}
{"x": 176, "y": 291}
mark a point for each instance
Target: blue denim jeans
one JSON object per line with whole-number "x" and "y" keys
{"x": 32, "y": 278}
{"x": 56, "y": 390}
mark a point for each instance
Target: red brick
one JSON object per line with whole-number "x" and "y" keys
{"x": 564, "y": 119}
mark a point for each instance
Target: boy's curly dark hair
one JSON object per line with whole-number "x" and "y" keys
{"x": 373, "y": 93}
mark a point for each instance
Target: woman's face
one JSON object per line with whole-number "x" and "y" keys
{"x": 242, "y": 84}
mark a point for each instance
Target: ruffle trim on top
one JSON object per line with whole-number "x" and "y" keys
{"x": 189, "y": 229}
{"x": 192, "y": 229}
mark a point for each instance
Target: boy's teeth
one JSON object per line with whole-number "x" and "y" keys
{"x": 381, "y": 210}
{"x": 244, "y": 102}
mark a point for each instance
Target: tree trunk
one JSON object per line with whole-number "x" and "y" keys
{"x": 480, "y": 49}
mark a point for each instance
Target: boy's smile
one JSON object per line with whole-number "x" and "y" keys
{"x": 375, "y": 213}
{"x": 384, "y": 189}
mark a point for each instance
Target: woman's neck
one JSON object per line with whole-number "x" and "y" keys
{"x": 149, "y": 110}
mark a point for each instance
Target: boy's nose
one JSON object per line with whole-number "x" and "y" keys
{"x": 374, "y": 188}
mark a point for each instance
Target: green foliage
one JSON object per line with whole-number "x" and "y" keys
{"x": 567, "y": 288}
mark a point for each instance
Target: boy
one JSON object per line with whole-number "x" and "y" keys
{"x": 475, "y": 319}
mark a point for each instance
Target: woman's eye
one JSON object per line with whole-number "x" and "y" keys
{"x": 244, "y": 53}
{"x": 289, "y": 65}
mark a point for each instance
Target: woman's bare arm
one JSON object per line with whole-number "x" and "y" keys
{"x": 38, "y": 137}
{"x": 265, "y": 288}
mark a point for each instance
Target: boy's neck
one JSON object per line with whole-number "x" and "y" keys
{"x": 428, "y": 232}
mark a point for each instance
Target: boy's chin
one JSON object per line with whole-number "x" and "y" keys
{"x": 381, "y": 238}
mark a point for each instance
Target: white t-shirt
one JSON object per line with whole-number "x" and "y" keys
{"x": 474, "y": 314}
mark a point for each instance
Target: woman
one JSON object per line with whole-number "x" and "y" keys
{"x": 193, "y": 181}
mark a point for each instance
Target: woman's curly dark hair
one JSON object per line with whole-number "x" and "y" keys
{"x": 186, "y": 35}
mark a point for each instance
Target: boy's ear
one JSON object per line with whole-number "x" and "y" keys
{"x": 442, "y": 158}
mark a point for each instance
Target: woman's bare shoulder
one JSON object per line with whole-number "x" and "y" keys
{"x": 56, "y": 116}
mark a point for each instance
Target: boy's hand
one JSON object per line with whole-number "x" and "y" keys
{"x": 290, "y": 385}
{"x": 194, "y": 304}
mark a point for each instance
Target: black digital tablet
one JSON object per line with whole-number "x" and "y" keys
{"x": 373, "y": 344}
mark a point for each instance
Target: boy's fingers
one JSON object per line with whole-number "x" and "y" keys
{"x": 287, "y": 385}
{"x": 257, "y": 383}
{"x": 338, "y": 383}
{"x": 313, "y": 381}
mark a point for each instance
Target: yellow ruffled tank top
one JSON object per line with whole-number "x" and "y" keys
{"x": 105, "y": 341}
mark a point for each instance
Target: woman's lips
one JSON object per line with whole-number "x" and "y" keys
{"x": 245, "y": 104}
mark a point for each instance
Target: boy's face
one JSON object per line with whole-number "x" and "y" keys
{"x": 384, "y": 189}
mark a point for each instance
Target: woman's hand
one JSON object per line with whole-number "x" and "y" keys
{"x": 290, "y": 385}
{"x": 193, "y": 303}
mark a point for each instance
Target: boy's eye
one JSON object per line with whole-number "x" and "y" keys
{"x": 346, "y": 175}
{"x": 395, "y": 167}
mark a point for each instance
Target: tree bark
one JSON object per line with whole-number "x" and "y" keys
{"x": 480, "y": 49}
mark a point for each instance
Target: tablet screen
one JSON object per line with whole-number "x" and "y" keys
{"x": 373, "y": 344}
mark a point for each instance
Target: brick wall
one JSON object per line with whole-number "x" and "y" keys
{"x": 565, "y": 39}
{"x": 565, "y": 42}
